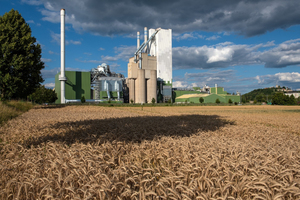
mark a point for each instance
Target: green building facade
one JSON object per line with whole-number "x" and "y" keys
{"x": 78, "y": 84}
{"x": 215, "y": 93}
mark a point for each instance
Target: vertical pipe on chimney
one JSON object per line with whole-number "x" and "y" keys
{"x": 146, "y": 38}
{"x": 62, "y": 54}
{"x": 138, "y": 39}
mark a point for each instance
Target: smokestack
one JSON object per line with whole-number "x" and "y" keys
{"x": 138, "y": 40}
{"x": 146, "y": 38}
{"x": 62, "y": 77}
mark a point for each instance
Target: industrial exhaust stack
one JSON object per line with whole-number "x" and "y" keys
{"x": 138, "y": 40}
{"x": 146, "y": 38}
{"x": 62, "y": 77}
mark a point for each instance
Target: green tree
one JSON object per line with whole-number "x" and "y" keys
{"x": 243, "y": 99}
{"x": 201, "y": 100}
{"x": 255, "y": 102}
{"x": 43, "y": 95}
{"x": 218, "y": 101}
{"x": 278, "y": 99}
{"x": 229, "y": 101}
{"x": 292, "y": 100}
{"x": 20, "y": 58}
{"x": 260, "y": 97}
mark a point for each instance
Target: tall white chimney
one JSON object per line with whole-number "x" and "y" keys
{"x": 138, "y": 40}
{"x": 146, "y": 38}
{"x": 62, "y": 77}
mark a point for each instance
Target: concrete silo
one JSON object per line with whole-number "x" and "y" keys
{"x": 152, "y": 62}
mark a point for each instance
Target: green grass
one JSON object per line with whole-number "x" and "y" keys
{"x": 12, "y": 109}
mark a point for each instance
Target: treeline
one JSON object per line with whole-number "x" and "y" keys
{"x": 282, "y": 99}
{"x": 270, "y": 95}
{"x": 259, "y": 95}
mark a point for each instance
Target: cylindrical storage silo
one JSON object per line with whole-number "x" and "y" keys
{"x": 140, "y": 86}
{"x": 152, "y": 86}
{"x": 131, "y": 83}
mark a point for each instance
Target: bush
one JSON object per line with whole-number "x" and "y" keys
{"x": 153, "y": 101}
{"x": 218, "y": 101}
{"x": 131, "y": 100}
{"x": 82, "y": 99}
{"x": 201, "y": 100}
{"x": 229, "y": 101}
{"x": 43, "y": 95}
{"x": 255, "y": 102}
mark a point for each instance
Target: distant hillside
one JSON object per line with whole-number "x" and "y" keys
{"x": 260, "y": 95}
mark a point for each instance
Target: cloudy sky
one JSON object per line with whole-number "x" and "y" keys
{"x": 240, "y": 45}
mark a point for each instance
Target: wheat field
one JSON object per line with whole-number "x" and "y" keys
{"x": 201, "y": 152}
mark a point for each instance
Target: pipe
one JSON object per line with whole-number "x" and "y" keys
{"x": 117, "y": 88}
{"x": 138, "y": 39}
{"x": 140, "y": 60}
{"x": 146, "y": 38}
{"x": 62, "y": 55}
{"x": 88, "y": 100}
{"x": 108, "y": 93}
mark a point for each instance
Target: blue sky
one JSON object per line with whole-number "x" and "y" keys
{"x": 240, "y": 45}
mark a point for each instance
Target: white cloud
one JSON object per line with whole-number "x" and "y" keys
{"x": 30, "y": 21}
{"x": 244, "y": 17}
{"x": 49, "y": 85}
{"x": 33, "y": 2}
{"x": 187, "y": 36}
{"x": 73, "y": 42}
{"x": 56, "y": 38}
{"x": 49, "y": 73}
{"x": 290, "y": 77}
{"x": 51, "y": 52}
{"x": 101, "y": 49}
{"x": 214, "y": 37}
{"x": 227, "y": 54}
{"x": 179, "y": 84}
{"x": 219, "y": 54}
{"x": 122, "y": 53}
{"x": 46, "y": 60}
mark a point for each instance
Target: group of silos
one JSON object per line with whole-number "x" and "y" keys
{"x": 151, "y": 63}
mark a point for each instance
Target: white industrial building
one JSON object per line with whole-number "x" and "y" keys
{"x": 150, "y": 70}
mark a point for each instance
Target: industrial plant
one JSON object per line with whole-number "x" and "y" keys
{"x": 149, "y": 77}
{"x": 149, "y": 74}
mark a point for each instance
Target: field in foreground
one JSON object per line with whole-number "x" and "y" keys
{"x": 90, "y": 152}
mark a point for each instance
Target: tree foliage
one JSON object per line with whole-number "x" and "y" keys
{"x": 282, "y": 99}
{"x": 229, "y": 101}
{"x": 260, "y": 95}
{"x": 201, "y": 100}
{"x": 43, "y": 95}
{"x": 218, "y": 101}
{"x": 20, "y": 60}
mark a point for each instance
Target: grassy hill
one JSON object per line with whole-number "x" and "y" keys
{"x": 260, "y": 95}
